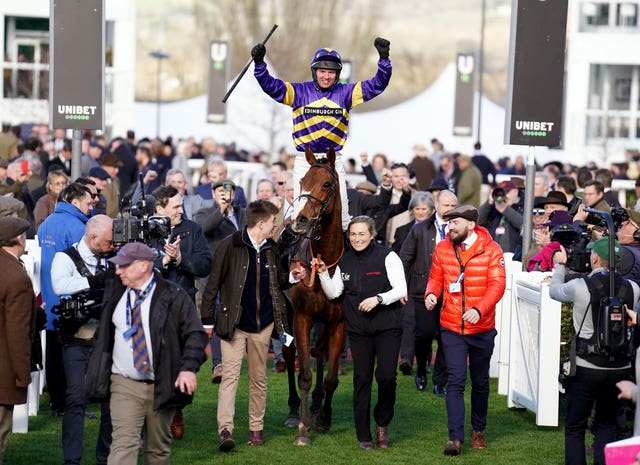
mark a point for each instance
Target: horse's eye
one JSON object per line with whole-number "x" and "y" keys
{"x": 326, "y": 185}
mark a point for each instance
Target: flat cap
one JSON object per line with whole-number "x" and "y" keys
{"x": 98, "y": 172}
{"x": 367, "y": 186}
{"x": 222, "y": 182}
{"x": 11, "y": 227}
{"x": 9, "y": 206}
{"x": 133, "y": 251}
{"x": 467, "y": 212}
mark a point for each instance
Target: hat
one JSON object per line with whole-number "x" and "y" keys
{"x": 111, "y": 159}
{"x": 222, "y": 182}
{"x": 559, "y": 217}
{"x": 11, "y": 227}
{"x": 100, "y": 173}
{"x": 131, "y": 252}
{"x": 4, "y": 163}
{"x": 466, "y": 158}
{"x": 367, "y": 186}
{"x": 94, "y": 144}
{"x": 601, "y": 248}
{"x": 634, "y": 215}
{"x": 438, "y": 184}
{"x": 553, "y": 198}
{"x": 519, "y": 182}
{"x": 9, "y": 206}
{"x": 463, "y": 211}
{"x": 507, "y": 186}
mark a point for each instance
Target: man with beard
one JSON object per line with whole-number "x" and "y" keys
{"x": 468, "y": 272}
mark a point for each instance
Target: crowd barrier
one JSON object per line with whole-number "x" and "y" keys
{"x": 525, "y": 359}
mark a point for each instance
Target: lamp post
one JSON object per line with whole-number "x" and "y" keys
{"x": 158, "y": 55}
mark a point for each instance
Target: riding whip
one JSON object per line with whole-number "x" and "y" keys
{"x": 244, "y": 70}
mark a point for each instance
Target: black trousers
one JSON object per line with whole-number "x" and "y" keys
{"x": 428, "y": 329}
{"x": 587, "y": 387}
{"x": 56, "y": 381}
{"x": 366, "y": 349}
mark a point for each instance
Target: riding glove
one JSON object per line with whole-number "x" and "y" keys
{"x": 382, "y": 46}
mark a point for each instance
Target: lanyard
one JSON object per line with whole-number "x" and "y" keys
{"x": 139, "y": 300}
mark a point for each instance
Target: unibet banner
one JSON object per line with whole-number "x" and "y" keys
{"x": 77, "y": 64}
{"x": 536, "y": 73}
{"x": 218, "y": 64}
{"x": 465, "y": 86}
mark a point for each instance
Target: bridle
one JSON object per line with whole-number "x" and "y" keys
{"x": 313, "y": 230}
{"x": 314, "y": 221}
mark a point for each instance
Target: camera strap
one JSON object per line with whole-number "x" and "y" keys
{"x": 77, "y": 260}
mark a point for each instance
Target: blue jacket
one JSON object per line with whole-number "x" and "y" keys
{"x": 61, "y": 229}
{"x": 321, "y": 118}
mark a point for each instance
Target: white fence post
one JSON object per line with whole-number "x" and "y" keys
{"x": 534, "y": 355}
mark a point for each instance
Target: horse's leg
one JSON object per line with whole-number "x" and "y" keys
{"x": 289, "y": 354}
{"x": 320, "y": 350}
{"x": 336, "y": 346}
{"x": 302, "y": 325}
{"x": 318, "y": 391}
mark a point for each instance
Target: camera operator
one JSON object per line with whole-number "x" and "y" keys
{"x": 593, "y": 198}
{"x": 74, "y": 271}
{"x": 629, "y": 237}
{"x": 596, "y": 374}
{"x": 186, "y": 252}
{"x": 501, "y": 214}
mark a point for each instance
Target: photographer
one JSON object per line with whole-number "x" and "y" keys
{"x": 629, "y": 237}
{"x": 501, "y": 214}
{"x": 596, "y": 374}
{"x": 76, "y": 271}
{"x": 186, "y": 253}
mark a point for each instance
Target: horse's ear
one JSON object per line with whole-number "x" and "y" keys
{"x": 309, "y": 155}
{"x": 331, "y": 157}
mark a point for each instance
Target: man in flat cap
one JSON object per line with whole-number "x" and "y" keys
{"x": 148, "y": 348}
{"x": 468, "y": 272}
{"x": 18, "y": 312}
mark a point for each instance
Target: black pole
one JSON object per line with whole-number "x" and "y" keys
{"x": 244, "y": 70}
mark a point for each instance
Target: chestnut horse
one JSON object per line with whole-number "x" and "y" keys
{"x": 317, "y": 217}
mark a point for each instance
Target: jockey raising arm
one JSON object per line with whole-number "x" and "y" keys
{"x": 321, "y": 106}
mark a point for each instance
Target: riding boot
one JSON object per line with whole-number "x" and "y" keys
{"x": 287, "y": 238}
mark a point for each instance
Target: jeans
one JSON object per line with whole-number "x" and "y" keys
{"x": 75, "y": 358}
{"x": 477, "y": 349}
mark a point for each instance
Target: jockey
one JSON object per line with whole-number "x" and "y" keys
{"x": 321, "y": 106}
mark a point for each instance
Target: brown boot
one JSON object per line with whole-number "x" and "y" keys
{"x": 255, "y": 438}
{"x": 453, "y": 447}
{"x": 382, "y": 437}
{"x": 478, "y": 441}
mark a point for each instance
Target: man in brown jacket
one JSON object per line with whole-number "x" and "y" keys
{"x": 17, "y": 323}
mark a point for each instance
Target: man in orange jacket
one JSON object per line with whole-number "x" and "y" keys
{"x": 468, "y": 272}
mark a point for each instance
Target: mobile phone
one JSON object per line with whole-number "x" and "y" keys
{"x": 24, "y": 164}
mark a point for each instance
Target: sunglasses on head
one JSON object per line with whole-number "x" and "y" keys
{"x": 538, "y": 211}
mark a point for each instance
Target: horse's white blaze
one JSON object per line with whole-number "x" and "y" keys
{"x": 299, "y": 204}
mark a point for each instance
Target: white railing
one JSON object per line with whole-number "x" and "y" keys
{"x": 21, "y": 413}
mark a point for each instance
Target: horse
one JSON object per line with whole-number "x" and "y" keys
{"x": 317, "y": 217}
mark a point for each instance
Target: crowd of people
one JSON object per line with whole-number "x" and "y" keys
{"x": 131, "y": 302}
{"x": 437, "y": 228}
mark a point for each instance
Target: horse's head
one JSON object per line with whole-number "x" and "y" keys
{"x": 319, "y": 194}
